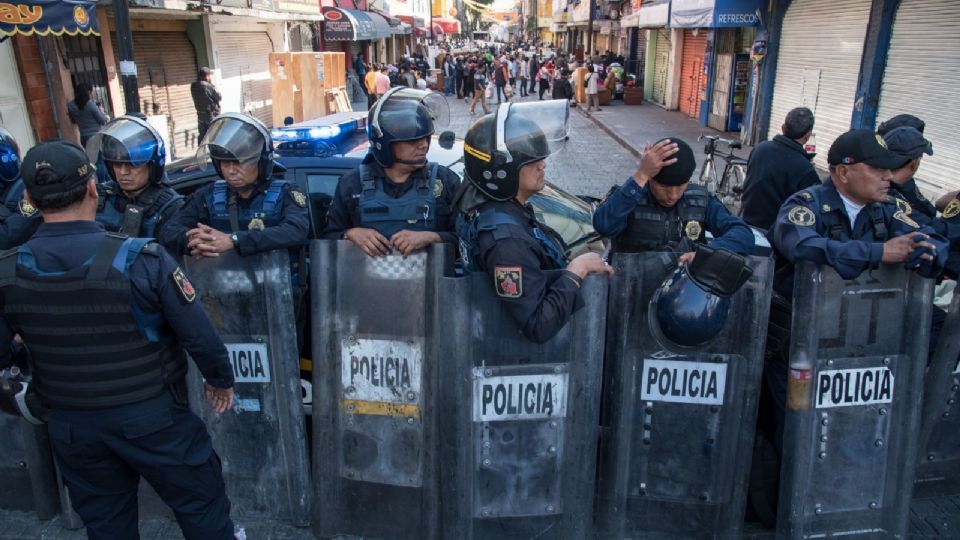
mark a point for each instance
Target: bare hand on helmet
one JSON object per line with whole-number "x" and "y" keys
{"x": 220, "y": 399}
{"x": 205, "y": 241}
{"x": 655, "y": 157}
{"x": 370, "y": 241}
{"x": 589, "y": 263}
{"x": 686, "y": 258}
{"x": 406, "y": 242}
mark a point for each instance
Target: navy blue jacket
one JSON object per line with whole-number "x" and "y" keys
{"x": 15, "y": 226}
{"x": 729, "y": 231}
{"x": 58, "y": 247}
{"x": 776, "y": 170}
{"x": 796, "y": 238}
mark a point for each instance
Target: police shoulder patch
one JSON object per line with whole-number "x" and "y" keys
{"x": 437, "y": 188}
{"x": 186, "y": 288}
{"x": 900, "y": 215}
{"x": 26, "y": 208}
{"x": 904, "y": 206}
{"x": 801, "y": 215}
{"x": 508, "y": 280}
{"x": 298, "y": 198}
{"x": 952, "y": 209}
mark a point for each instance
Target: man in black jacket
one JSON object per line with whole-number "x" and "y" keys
{"x": 777, "y": 169}
{"x": 206, "y": 99}
{"x": 562, "y": 89}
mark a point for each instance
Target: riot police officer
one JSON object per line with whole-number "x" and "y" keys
{"x": 850, "y": 223}
{"x": 18, "y": 219}
{"x": 504, "y": 155}
{"x": 104, "y": 317}
{"x": 657, "y": 209}
{"x": 247, "y": 210}
{"x": 396, "y": 199}
{"x": 135, "y": 201}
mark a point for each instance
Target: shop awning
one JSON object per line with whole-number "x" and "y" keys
{"x": 45, "y": 17}
{"x": 353, "y": 25}
{"x": 419, "y": 25}
{"x": 446, "y": 25}
{"x": 397, "y": 27}
{"x": 715, "y": 13}
{"x": 653, "y": 15}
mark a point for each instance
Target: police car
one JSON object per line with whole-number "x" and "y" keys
{"x": 316, "y": 153}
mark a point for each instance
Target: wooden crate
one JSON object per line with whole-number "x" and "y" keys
{"x": 320, "y": 72}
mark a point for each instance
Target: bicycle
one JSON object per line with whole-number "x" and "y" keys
{"x": 729, "y": 185}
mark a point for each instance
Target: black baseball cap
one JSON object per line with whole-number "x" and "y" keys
{"x": 908, "y": 142}
{"x": 863, "y": 146}
{"x": 901, "y": 120}
{"x": 680, "y": 172}
{"x": 67, "y": 160}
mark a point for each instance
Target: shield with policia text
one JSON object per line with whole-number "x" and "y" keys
{"x": 857, "y": 357}
{"x": 938, "y": 473}
{"x": 518, "y": 434}
{"x": 262, "y": 440}
{"x": 678, "y": 420}
{"x": 374, "y": 391}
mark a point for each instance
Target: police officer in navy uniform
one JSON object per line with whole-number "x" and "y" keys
{"x": 135, "y": 200}
{"x": 106, "y": 319}
{"x": 850, "y": 223}
{"x": 504, "y": 155}
{"x": 18, "y": 219}
{"x": 396, "y": 199}
{"x": 248, "y": 209}
{"x": 657, "y": 209}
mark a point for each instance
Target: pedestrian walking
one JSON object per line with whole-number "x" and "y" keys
{"x": 524, "y": 75}
{"x": 533, "y": 69}
{"x": 590, "y": 82}
{"x": 108, "y": 343}
{"x": 85, "y": 113}
{"x": 449, "y": 76}
{"x": 459, "y": 74}
{"x": 479, "y": 91}
{"x": 206, "y": 100}
{"x": 544, "y": 77}
{"x": 500, "y": 78}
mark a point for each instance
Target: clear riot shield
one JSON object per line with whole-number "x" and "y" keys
{"x": 262, "y": 441}
{"x": 678, "y": 423}
{"x": 857, "y": 358}
{"x": 938, "y": 473}
{"x": 374, "y": 391}
{"x": 26, "y": 468}
{"x": 519, "y": 432}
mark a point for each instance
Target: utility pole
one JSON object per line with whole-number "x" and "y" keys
{"x": 128, "y": 68}
{"x": 593, "y": 5}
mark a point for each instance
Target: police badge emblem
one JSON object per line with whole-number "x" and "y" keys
{"x": 906, "y": 219}
{"x": 693, "y": 230}
{"x": 508, "y": 280}
{"x": 952, "y": 210}
{"x": 801, "y": 215}
{"x": 437, "y": 188}
{"x": 27, "y": 209}
{"x": 256, "y": 224}
{"x": 299, "y": 198}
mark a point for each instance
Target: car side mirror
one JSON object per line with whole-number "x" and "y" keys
{"x": 447, "y": 138}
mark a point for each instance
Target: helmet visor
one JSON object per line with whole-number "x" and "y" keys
{"x": 408, "y": 114}
{"x": 124, "y": 140}
{"x": 552, "y": 117}
{"x": 231, "y": 139}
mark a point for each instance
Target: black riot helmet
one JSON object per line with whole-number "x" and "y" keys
{"x": 238, "y": 137}
{"x": 684, "y": 314}
{"x": 9, "y": 157}
{"x": 404, "y": 114}
{"x": 129, "y": 139}
{"x": 499, "y": 144}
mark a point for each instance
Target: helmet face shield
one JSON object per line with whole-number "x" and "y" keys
{"x": 551, "y": 117}
{"x": 235, "y": 137}
{"x": 406, "y": 114}
{"x": 127, "y": 140}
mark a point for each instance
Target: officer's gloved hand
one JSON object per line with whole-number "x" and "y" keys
{"x": 923, "y": 252}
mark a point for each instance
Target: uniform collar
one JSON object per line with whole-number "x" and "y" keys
{"x": 68, "y": 228}
{"x": 831, "y": 197}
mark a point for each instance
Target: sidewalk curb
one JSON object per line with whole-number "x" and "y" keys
{"x": 614, "y": 135}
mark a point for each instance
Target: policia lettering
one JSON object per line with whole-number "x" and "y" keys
{"x": 381, "y": 371}
{"x": 848, "y": 387}
{"x": 677, "y": 381}
{"x": 519, "y": 397}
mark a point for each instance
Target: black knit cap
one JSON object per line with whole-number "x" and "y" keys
{"x": 680, "y": 172}
{"x": 67, "y": 160}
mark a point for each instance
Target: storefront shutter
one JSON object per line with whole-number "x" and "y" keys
{"x": 918, "y": 80}
{"x": 818, "y": 66}
{"x": 661, "y": 68}
{"x": 692, "y": 78}
{"x": 245, "y": 73}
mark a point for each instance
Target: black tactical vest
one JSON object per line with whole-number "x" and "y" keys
{"x": 87, "y": 350}
{"x": 653, "y": 228}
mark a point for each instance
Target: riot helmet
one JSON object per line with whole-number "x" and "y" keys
{"x": 238, "y": 137}
{"x": 129, "y": 139}
{"x": 499, "y": 144}
{"x": 684, "y": 314}
{"x": 404, "y": 114}
{"x": 9, "y": 157}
